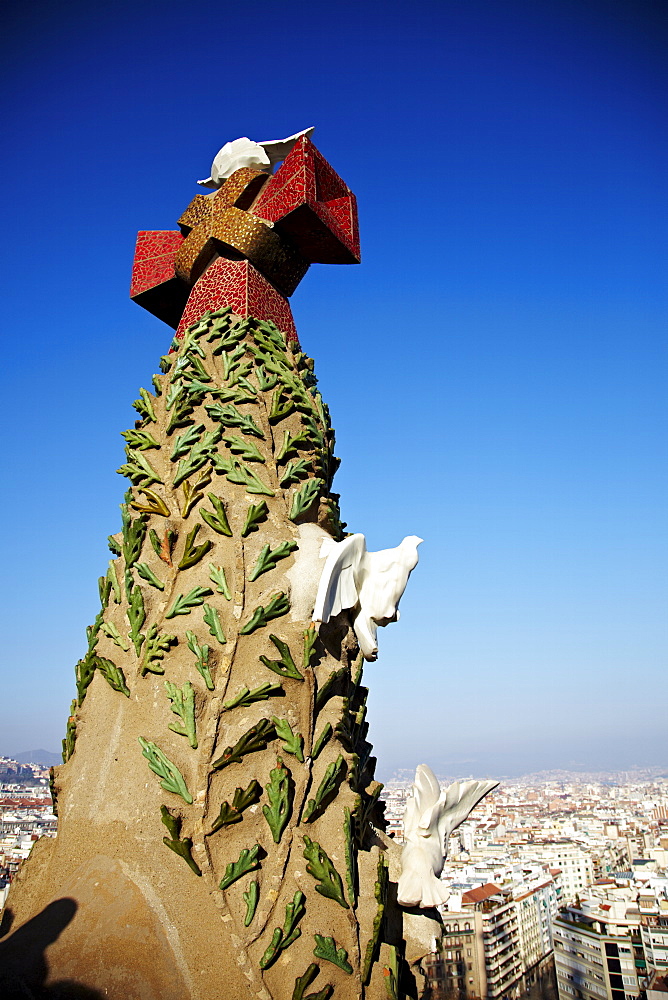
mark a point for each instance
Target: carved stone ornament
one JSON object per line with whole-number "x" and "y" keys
{"x": 370, "y": 582}
{"x": 430, "y": 817}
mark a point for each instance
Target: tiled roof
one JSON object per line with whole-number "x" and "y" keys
{"x": 481, "y": 893}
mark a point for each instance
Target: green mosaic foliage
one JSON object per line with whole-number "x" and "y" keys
{"x": 248, "y": 862}
{"x": 310, "y": 639}
{"x": 329, "y": 687}
{"x": 113, "y": 581}
{"x": 184, "y": 442}
{"x": 304, "y": 498}
{"x": 139, "y": 440}
{"x": 291, "y": 445}
{"x": 70, "y": 733}
{"x": 138, "y": 469}
{"x": 113, "y": 675}
{"x": 212, "y": 619}
{"x": 251, "y": 899}
{"x": 283, "y": 937}
{"x": 134, "y": 532}
{"x": 246, "y": 697}
{"x": 303, "y": 982}
{"x": 245, "y": 449}
{"x": 280, "y": 792}
{"x": 327, "y": 789}
{"x": 229, "y": 416}
{"x": 144, "y": 405}
{"x": 217, "y": 576}
{"x": 256, "y": 738}
{"x": 185, "y": 603}
{"x": 136, "y": 616}
{"x": 373, "y": 944}
{"x": 146, "y": 573}
{"x": 268, "y": 558}
{"x": 182, "y": 847}
{"x": 243, "y": 798}
{"x": 278, "y": 606}
{"x": 351, "y": 857}
{"x": 280, "y": 407}
{"x": 255, "y": 514}
{"x": 110, "y": 630}
{"x": 193, "y": 553}
{"x": 294, "y": 471}
{"x": 183, "y": 705}
{"x": 325, "y": 947}
{"x": 286, "y": 665}
{"x": 155, "y": 647}
{"x": 239, "y": 473}
{"x": 171, "y": 778}
{"x": 321, "y": 740}
{"x": 293, "y": 743}
{"x": 201, "y": 658}
{"x": 198, "y": 457}
{"x": 322, "y": 869}
{"x": 218, "y": 520}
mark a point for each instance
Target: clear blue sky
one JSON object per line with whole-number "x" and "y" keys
{"x": 495, "y": 368}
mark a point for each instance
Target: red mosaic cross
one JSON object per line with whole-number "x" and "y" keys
{"x": 308, "y": 206}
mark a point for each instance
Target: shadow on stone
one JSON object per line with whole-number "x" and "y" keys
{"x": 24, "y": 967}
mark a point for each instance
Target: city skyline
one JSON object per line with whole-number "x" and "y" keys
{"x": 493, "y": 367}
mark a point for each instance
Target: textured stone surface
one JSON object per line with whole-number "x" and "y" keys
{"x": 145, "y": 924}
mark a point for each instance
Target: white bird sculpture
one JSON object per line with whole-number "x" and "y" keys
{"x": 430, "y": 817}
{"x": 246, "y": 153}
{"x": 370, "y": 582}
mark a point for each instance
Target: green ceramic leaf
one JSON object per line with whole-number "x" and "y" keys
{"x": 279, "y": 605}
{"x": 160, "y": 764}
{"x": 248, "y": 862}
{"x": 321, "y": 868}
{"x": 268, "y": 558}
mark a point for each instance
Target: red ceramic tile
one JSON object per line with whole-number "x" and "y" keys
{"x": 309, "y": 205}
{"x": 308, "y": 201}
{"x": 237, "y": 284}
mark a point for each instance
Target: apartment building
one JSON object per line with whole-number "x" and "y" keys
{"x": 653, "y": 909}
{"x": 496, "y": 944}
{"x": 598, "y": 948}
{"x": 572, "y": 859}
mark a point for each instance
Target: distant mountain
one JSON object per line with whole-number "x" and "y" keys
{"x": 44, "y": 757}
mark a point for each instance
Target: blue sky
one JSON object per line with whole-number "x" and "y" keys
{"x": 495, "y": 368}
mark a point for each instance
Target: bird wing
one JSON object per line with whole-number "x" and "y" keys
{"x": 460, "y": 800}
{"x": 426, "y": 791}
{"x": 278, "y": 149}
{"x": 337, "y": 589}
{"x": 385, "y": 577}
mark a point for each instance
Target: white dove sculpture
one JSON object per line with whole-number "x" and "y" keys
{"x": 246, "y": 153}
{"x": 430, "y": 817}
{"x": 370, "y": 582}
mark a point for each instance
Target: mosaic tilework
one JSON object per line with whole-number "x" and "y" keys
{"x": 308, "y": 201}
{"x": 249, "y": 244}
{"x": 195, "y": 254}
{"x": 154, "y": 285}
{"x": 223, "y": 228}
{"x": 154, "y": 259}
{"x": 197, "y": 211}
{"x": 236, "y": 283}
{"x": 241, "y": 188}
